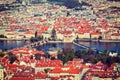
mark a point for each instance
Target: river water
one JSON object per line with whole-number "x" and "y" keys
{"x": 111, "y": 46}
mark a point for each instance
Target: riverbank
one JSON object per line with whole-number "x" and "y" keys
{"x": 101, "y": 46}
{"x": 59, "y": 42}
{"x": 107, "y": 40}
{"x": 86, "y": 40}
{"x": 95, "y": 40}
{"x": 10, "y": 39}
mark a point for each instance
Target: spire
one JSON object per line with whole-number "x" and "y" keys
{"x": 1, "y": 67}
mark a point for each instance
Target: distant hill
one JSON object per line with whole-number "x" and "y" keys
{"x": 113, "y": 0}
{"x": 72, "y": 3}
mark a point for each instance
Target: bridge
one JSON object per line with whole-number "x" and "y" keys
{"x": 86, "y": 47}
{"x": 80, "y": 45}
{"x": 36, "y": 44}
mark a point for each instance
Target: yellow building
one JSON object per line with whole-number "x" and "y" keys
{"x": 80, "y": 35}
{"x": 95, "y": 35}
{"x": 29, "y": 34}
{"x": 84, "y": 35}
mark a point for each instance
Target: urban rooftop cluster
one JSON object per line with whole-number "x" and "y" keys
{"x": 101, "y": 19}
{"x": 31, "y": 64}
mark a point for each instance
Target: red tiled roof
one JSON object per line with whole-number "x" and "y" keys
{"x": 12, "y": 66}
{"x": 21, "y": 78}
{"x": 44, "y": 28}
{"x": 115, "y": 34}
{"x": 64, "y": 69}
{"x": 54, "y": 78}
{"x": 40, "y": 75}
{"x": 81, "y": 30}
{"x": 22, "y": 74}
{"x": 100, "y": 64}
{"x": 10, "y": 34}
{"x": 39, "y": 32}
{"x": 29, "y": 32}
{"x": 39, "y": 52}
{"x": 21, "y": 35}
{"x": 49, "y": 63}
{"x": 112, "y": 66}
{"x": 75, "y": 62}
{"x": 24, "y": 50}
{"x": 95, "y": 33}
{"x": 84, "y": 66}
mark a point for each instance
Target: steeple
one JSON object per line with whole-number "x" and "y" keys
{"x": 1, "y": 66}
{"x": 1, "y": 72}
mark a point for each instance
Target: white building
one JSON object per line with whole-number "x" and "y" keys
{"x": 46, "y": 35}
{"x": 60, "y": 36}
{"x": 115, "y": 36}
{"x": 113, "y": 54}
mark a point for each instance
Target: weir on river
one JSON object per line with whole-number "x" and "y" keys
{"x": 86, "y": 47}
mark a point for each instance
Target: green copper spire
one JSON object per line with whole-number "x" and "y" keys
{"x": 1, "y": 66}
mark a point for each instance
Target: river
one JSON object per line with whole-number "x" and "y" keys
{"x": 111, "y": 46}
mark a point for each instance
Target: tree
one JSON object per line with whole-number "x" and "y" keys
{"x": 99, "y": 38}
{"x": 77, "y": 38}
{"x": 104, "y": 53}
{"x": 78, "y": 54}
{"x": 4, "y": 49}
{"x": 46, "y": 70}
{"x": 65, "y": 59}
{"x": 109, "y": 61}
{"x": 53, "y": 34}
{"x": 31, "y": 57}
{"x": 60, "y": 56}
{"x": 71, "y": 56}
{"x": 10, "y": 54}
{"x": 36, "y": 34}
{"x": 2, "y": 36}
{"x": 2, "y": 54}
{"x": 53, "y": 58}
{"x": 12, "y": 58}
{"x": 94, "y": 60}
{"x": 84, "y": 52}
{"x": 37, "y": 56}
